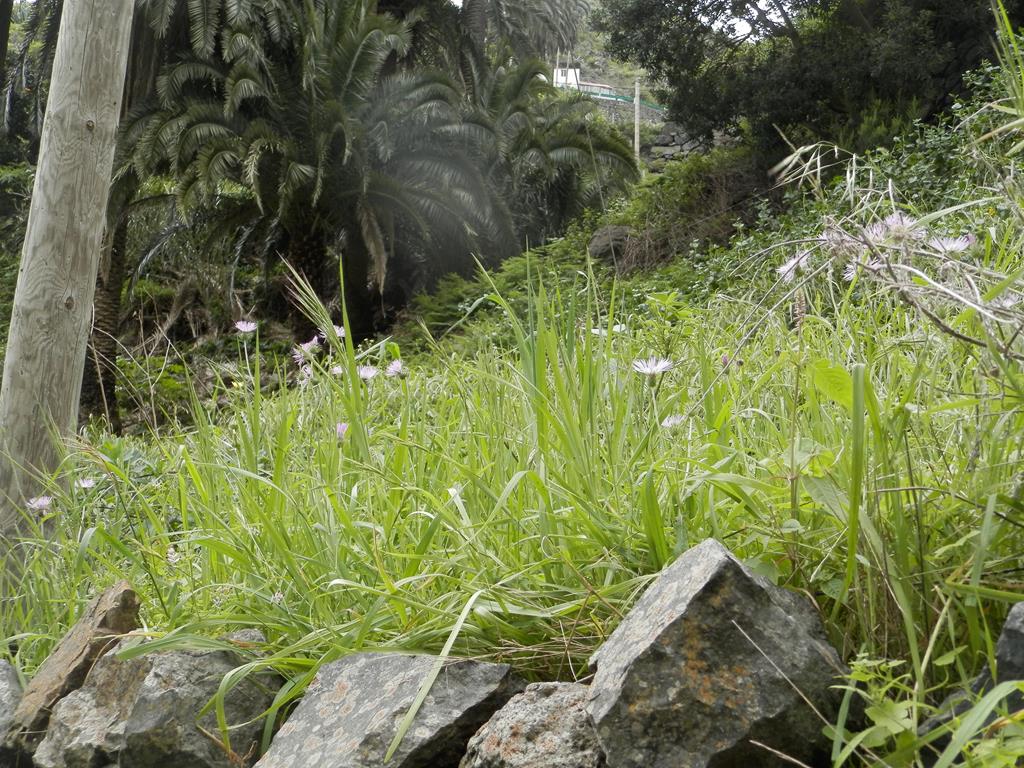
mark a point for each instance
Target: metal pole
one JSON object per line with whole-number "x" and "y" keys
{"x": 636, "y": 120}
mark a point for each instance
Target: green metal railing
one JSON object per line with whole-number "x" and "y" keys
{"x": 609, "y": 95}
{"x": 626, "y": 100}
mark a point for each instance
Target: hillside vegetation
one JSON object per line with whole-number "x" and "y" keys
{"x": 833, "y": 389}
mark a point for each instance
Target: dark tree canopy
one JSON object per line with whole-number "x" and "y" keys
{"x": 808, "y": 68}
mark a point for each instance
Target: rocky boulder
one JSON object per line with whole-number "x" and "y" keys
{"x": 712, "y": 663}
{"x": 544, "y": 726}
{"x": 1010, "y": 648}
{"x": 1009, "y": 666}
{"x": 112, "y": 614}
{"x": 609, "y": 244}
{"x": 10, "y": 696}
{"x": 353, "y": 708}
{"x": 142, "y": 713}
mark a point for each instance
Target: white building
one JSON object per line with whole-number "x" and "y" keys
{"x": 569, "y": 77}
{"x": 566, "y": 77}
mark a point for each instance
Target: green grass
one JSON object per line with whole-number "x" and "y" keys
{"x": 541, "y": 477}
{"x": 510, "y": 498}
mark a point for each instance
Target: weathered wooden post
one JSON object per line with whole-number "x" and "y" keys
{"x": 53, "y": 300}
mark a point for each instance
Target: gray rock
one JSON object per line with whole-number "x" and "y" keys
{"x": 10, "y": 695}
{"x": 354, "y": 706}
{"x": 609, "y": 243}
{"x": 113, "y": 613}
{"x": 141, "y": 713}
{"x": 1010, "y": 648}
{"x": 710, "y": 660}
{"x": 1009, "y": 666}
{"x": 545, "y": 726}
{"x": 668, "y": 151}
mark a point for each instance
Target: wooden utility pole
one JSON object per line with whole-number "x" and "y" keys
{"x": 57, "y": 279}
{"x": 636, "y": 120}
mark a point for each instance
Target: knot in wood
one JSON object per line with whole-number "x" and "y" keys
{"x": 90, "y": 125}
{"x": 69, "y": 302}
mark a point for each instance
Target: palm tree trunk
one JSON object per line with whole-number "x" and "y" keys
{"x": 474, "y": 21}
{"x": 362, "y": 302}
{"x": 145, "y": 57}
{"x": 99, "y": 385}
{"x": 307, "y": 254}
{"x": 6, "y": 11}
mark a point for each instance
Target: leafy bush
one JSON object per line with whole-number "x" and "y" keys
{"x": 814, "y": 69}
{"x": 841, "y": 440}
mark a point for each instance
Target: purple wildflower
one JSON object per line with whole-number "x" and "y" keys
{"x": 245, "y": 326}
{"x": 39, "y": 503}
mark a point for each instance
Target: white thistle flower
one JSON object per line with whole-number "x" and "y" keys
{"x": 850, "y": 270}
{"x": 797, "y": 264}
{"x": 653, "y": 366}
{"x": 898, "y": 228}
{"x": 949, "y": 245}
{"x": 617, "y": 328}
{"x": 840, "y": 244}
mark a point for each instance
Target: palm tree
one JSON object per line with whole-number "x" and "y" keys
{"x": 161, "y": 31}
{"x": 463, "y": 39}
{"x": 549, "y": 154}
{"x": 6, "y": 14}
{"x": 344, "y": 159}
{"x": 530, "y": 26}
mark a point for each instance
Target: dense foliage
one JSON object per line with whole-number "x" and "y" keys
{"x": 524, "y": 468}
{"x": 394, "y": 170}
{"x": 353, "y": 131}
{"x": 830, "y": 383}
{"x": 857, "y": 71}
{"x": 375, "y": 145}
